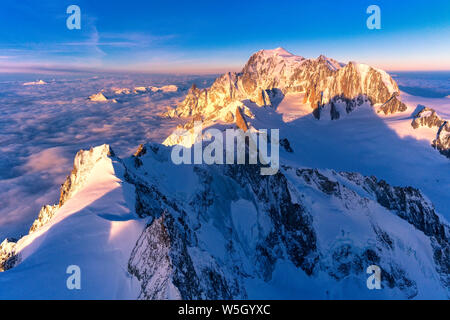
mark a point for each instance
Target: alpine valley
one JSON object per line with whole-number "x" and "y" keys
{"x": 363, "y": 180}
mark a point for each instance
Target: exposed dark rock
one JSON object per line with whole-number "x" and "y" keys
{"x": 241, "y": 123}
{"x": 8, "y": 256}
{"x": 286, "y": 145}
{"x": 393, "y": 105}
{"x": 427, "y": 117}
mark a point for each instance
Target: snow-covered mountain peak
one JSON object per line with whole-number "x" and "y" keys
{"x": 332, "y": 64}
{"x": 39, "y": 82}
{"x": 277, "y": 51}
{"x": 100, "y": 97}
{"x": 428, "y": 117}
{"x": 84, "y": 162}
{"x": 280, "y": 50}
{"x": 332, "y": 89}
{"x": 323, "y": 87}
{"x": 272, "y": 58}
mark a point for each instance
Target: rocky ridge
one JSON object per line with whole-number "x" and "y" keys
{"x": 427, "y": 117}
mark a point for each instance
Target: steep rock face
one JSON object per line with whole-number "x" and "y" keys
{"x": 170, "y": 241}
{"x": 45, "y": 215}
{"x": 270, "y": 74}
{"x": 240, "y": 120}
{"x": 409, "y": 204}
{"x": 393, "y": 105}
{"x": 427, "y": 117}
{"x": 350, "y": 86}
{"x": 442, "y": 141}
{"x": 8, "y": 258}
{"x": 201, "y": 274}
{"x": 291, "y": 231}
{"x": 259, "y": 221}
{"x": 235, "y": 113}
{"x": 151, "y": 264}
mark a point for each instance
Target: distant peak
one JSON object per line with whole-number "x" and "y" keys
{"x": 278, "y": 53}
{"x": 332, "y": 64}
{"x": 281, "y": 50}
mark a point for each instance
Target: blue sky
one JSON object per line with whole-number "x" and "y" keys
{"x": 214, "y": 36}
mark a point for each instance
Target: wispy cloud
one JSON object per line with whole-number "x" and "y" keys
{"x": 125, "y": 40}
{"x": 87, "y": 53}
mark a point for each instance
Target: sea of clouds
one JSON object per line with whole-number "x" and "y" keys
{"x": 431, "y": 84}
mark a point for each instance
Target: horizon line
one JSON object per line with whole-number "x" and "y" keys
{"x": 199, "y": 71}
